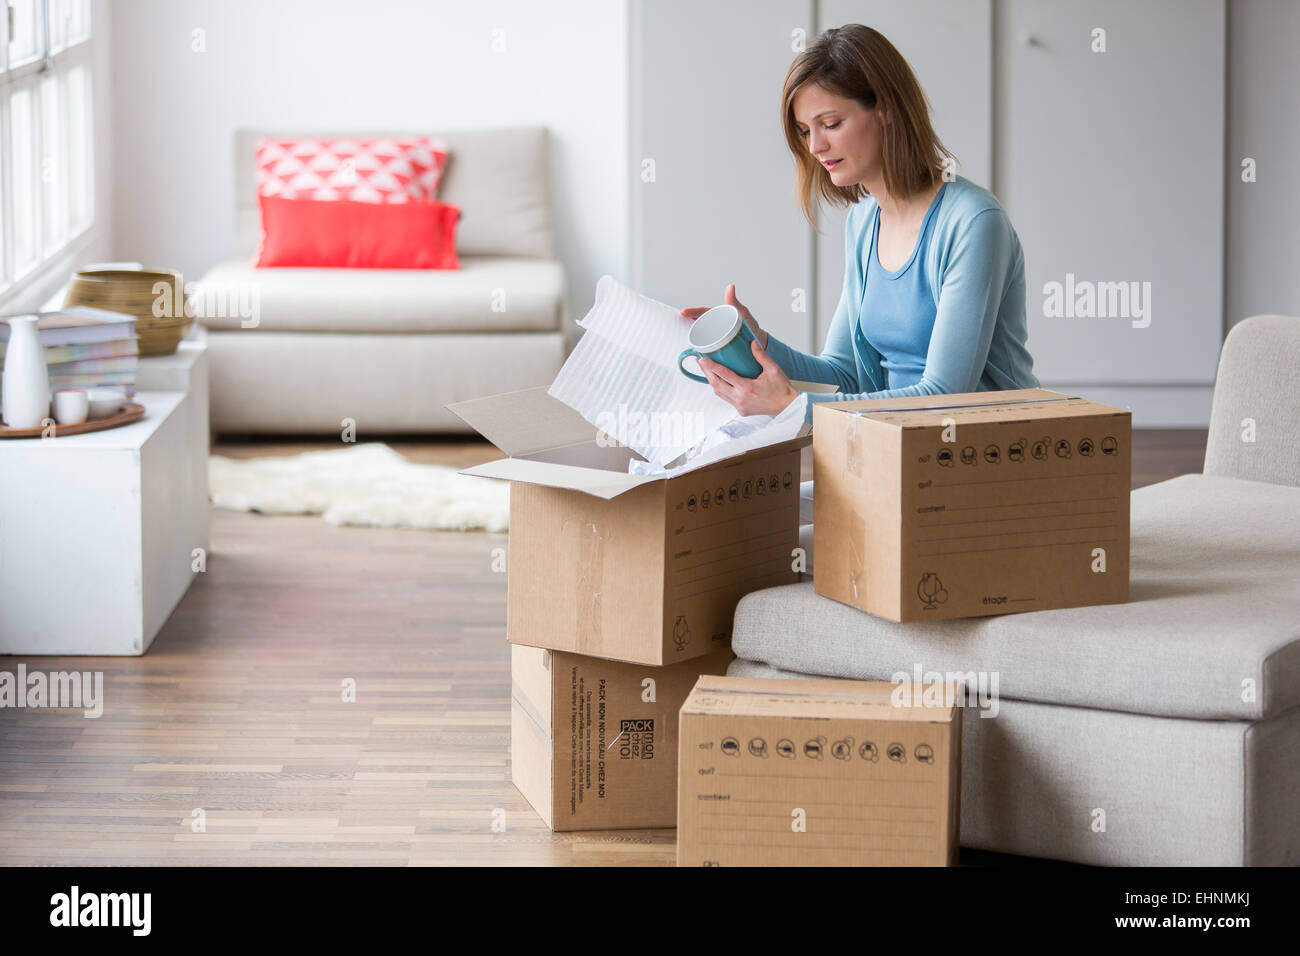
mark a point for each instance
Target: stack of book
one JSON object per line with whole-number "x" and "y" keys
{"x": 86, "y": 348}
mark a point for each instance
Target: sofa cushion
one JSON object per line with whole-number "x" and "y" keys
{"x": 314, "y": 382}
{"x": 527, "y": 294}
{"x": 500, "y": 178}
{"x": 1253, "y": 434}
{"x": 343, "y": 234}
{"x": 1211, "y": 630}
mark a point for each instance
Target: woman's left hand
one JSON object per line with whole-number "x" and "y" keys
{"x": 769, "y": 394}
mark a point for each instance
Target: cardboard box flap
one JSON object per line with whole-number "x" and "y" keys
{"x": 863, "y": 700}
{"x": 600, "y": 482}
{"x": 592, "y": 481}
{"x": 525, "y": 421}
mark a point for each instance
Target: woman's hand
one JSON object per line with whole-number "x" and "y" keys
{"x": 769, "y": 394}
{"x": 729, "y": 297}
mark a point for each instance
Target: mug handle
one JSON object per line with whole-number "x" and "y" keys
{"x": 686, "y": 353}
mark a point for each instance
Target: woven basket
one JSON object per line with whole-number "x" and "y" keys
{"x": 131, "y": 291}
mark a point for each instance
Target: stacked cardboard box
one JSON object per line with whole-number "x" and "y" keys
{"x": 621, "y": 590}
{"x": 818, "y": 773}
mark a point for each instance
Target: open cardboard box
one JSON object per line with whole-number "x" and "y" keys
{"x": 631, "y": 567}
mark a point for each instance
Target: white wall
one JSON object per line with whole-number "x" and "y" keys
{"x": 399, "y": 64}
{"x": 1263, "y": 247}
{"x": 705, "y": 110}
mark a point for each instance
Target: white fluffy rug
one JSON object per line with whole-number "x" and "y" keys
{"x": 367, "y": 484}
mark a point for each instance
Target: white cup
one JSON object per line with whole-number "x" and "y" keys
{"x": 71, "y": 406}
{"x": 105, "y": 401}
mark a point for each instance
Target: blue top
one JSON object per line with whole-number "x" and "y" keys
{"x": 900, "y": 304}
{"x": 952, "y": 319}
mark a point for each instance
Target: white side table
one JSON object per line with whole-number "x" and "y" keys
{"x": 98, "y": 532}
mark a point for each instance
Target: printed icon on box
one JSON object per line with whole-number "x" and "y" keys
{"x": 945, "y": 457}
{"x": 760, "y": 486}
{"x": 814, "y": 748}
{"x": 1085, "y": 447}
{"x": 773, "y": 483}
{"x": 785, "y": 748}
{"x": 1063, "y": 448}
{"x": 719, "y": 496}
{"x": 869, "y": 752}
{"x": 735, "y": 491}
{"x": 787, "y": 480}
{"x": 1039, "y": 451}
{"x": 842, "y": 749}
{"x": 731, "y": 746}
{"x": 924, "y": 753}
{"x": 931, "y": 591}
{"x": 704, "y": 499}
{"x": 897, "y": 753}
{"x": 992, "y": 454}
{"x": 758, "y": 747}
{"x": 1016, "y": 450}
{"x": 1109, "y": 446}
{"x": 968, "y": 455}
{"x": 681, "y": 632}
{"x": 749, "y": 488}
{"x": 690, "y": 503}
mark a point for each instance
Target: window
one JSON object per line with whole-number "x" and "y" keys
{"x": 46, "y": 150}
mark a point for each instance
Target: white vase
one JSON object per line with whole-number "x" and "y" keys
{"x": 25, "y": 401}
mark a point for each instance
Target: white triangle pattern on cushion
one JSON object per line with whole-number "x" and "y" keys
{"x": 387, "y": 170}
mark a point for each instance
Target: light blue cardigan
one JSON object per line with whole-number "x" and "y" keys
{"x": 976, "y": 270}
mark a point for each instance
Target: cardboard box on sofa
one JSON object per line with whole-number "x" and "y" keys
{"x": 593, "y": 743}
{"x": 631, "y": 567}
{"x": 818, "y": 773}
{"x": 970, "y": 504}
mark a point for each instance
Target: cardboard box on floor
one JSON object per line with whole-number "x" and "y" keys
{"x": 593, "y": 743}
{"x": 970, "y": 504}
{"x": 631, "y": 567}
{"x": 818, "y": 773}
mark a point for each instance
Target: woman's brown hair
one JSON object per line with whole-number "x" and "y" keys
{"x": 858, "y": 63}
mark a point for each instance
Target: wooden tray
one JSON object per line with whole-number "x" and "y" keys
{"x": 127, "y": 413}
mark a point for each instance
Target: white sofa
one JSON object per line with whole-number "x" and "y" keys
{"x": 388, "y": 348}
{"x": 1164, "y": 731}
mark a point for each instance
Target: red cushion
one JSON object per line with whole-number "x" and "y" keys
{"x": 343, "y": 234}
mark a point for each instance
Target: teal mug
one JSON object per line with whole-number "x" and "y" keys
{"x": 721, "y": 335}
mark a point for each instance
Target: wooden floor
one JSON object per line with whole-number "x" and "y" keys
{"x": 237, "y": 710}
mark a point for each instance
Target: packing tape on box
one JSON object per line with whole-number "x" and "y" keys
{"x": 589, "y": 540}
{"x": 964, "y": 405}
{"x": 857, "y": 563}
{"x": 853, "y": 446}
{"x": 853, "y": 463}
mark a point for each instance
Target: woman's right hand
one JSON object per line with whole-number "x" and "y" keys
{"x": 729, "y": 297}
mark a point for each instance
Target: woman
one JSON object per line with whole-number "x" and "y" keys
{"x": 934, "y": 277}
